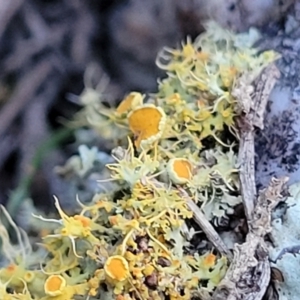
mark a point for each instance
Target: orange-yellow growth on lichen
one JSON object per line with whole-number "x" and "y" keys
{"x": 147, "y": 123}
{"x": 54, "y": 285}
{"x": 180, "y": 170}
{"x": 210, "y": 260}
{"x": 86, "y": 222}
{"x": 116, "y": 267}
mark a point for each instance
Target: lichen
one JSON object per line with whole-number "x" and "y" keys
{"x": 129, "y": 243}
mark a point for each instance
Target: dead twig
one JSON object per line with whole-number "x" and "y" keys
{"x": 24, "y": 92}
{"x": 249, "y": 274}
{"x": 25, "y": 50}
{"x": 206, "y": 226}
{"x": 34, "y": 121}
{"x": 8, "y": 143}
{"x": 7, "y": 11}
{"x": 208, "y": 229}
{"x": 81, "y": 33}
{"x": 253, "y": 104}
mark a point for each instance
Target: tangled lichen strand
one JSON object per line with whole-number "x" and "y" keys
{"x": 130, "y": 243}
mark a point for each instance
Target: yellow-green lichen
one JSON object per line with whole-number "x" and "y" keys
{"x": 130, "y": 243}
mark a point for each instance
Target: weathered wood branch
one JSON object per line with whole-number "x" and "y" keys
{"x": 25, "y": 91}
{"x": 249, "y": 273}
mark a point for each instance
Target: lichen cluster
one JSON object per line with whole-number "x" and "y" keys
{"x": 131, "y": 242}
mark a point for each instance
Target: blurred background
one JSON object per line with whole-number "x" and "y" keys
{"x": 46, "y": 48}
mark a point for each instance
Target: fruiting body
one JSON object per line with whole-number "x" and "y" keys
{"x": 147, "y": 123}
{"x": 54, "y": 285}
{"x": 180, "y": 170}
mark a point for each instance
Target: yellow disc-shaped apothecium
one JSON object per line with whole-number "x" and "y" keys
{"x": 54, "y": 285}
{"x": 131, "y": 101}
{"x": 147, "y": 123}
{"x": 180, "y": 170}
{"x": 117, "y": 268}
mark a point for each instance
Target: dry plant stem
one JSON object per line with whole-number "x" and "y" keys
{"x": 205, "y": 225}
{"x": 8, "y": 143}
{"x": 82, "y": 32}
{"x": 246, "y": 173}
{"x": 35, "y": 128}
{"x": 253, "y": 118}
{"x": 24, "y": 92}
{"x": 201, "y": 220}
{"x": 208, "y": 229}
{"x": 7, "y": 11}
{"x": 249, "y": 274}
